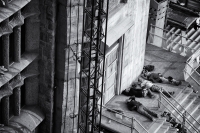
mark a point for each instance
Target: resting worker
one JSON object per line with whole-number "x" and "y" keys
{"x": 158, "y": 78}
{"x": 175, "y": 124}
{"x": 154, "y": 88}
{"x": 137, "y": 91}
{"x": 140, "y": 108}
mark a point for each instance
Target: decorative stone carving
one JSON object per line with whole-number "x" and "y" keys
{"x": 5, "y": 28}
{"x": 16, "y": 82}
{"x": 17, "y": 20}
{"x": 30, "y": 11}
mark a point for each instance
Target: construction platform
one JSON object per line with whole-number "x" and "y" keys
{"x": 166, "y": 63}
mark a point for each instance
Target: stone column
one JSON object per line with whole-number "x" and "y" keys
{"x": 17, "y": 41}
{"x": 5, "y": 45}
{"x": 5, "y": 110}
{"x": 17, "y": 101}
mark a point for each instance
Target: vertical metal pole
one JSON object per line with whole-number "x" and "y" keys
{"x": 160, "y": 98}
{"x": 171, "y": 40}
{"x": 132, "y": 124}
{"x": 184, "y": 116}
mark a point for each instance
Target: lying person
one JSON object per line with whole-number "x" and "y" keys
{"x": 148, "y": 68}
{"x": 154, "y": 88}
{"x": 158, "y": 78}
{"x": 138, "y": 92}
{"x": 174, "y": 123}
{"x": 137, "y": 106}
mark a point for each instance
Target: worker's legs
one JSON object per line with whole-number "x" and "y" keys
{"x": 143, "y": 112}
{"x": 151, "y": 112}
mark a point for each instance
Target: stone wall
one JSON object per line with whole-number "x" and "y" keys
{"x": 66, "y": 93}
{"x": 135, "y": 42}
{"x": 47, "y": 62}
{"x": 56, "y": 42}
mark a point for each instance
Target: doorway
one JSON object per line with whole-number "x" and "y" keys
{"x": 112, "y": 72}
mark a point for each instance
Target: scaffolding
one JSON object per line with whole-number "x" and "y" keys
{"x": 92, "y": 65}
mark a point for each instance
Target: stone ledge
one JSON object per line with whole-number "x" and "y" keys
{"x": 16, "y": 68}
{"x": 12, "y": 8}
{"x": 29, "y": 119}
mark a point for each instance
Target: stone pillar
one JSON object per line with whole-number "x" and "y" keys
{"x": 17, "y": 41}
{"x": 5, "y": 45}
{"x": 17, "y": 101}
{"x": 5, "y": 110}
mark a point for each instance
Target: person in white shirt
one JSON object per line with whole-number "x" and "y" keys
{"x": 154, "y": 88}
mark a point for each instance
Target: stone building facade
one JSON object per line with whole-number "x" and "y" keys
{"x": 19, "y": 86}
{"x": 37, "y": 43}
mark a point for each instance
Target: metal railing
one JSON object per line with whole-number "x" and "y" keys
{"x": 192, "y": 64}
{"x": 179, "y": 112}
{"x": 190, "y": 74}
{"x": 133, "y": 121}
{"x": 168, "y": 40}
{"x": 171, "y": 32}
{"x": 173, "y": 114}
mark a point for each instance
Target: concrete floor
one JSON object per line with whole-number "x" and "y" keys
{"x": 165, "y": 62}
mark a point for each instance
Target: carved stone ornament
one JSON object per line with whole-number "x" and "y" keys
{"x": 30, "y": 11}
{"x": 5, "y": 28}
{"x": 17, "y": 20}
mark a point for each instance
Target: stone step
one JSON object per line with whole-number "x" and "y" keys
{"x": 167, "y": 124}
{"x": 170, "y": 32}
{"x": 181, "y": 98}
{"x": 190, "y": 33}
{"x": 193, "y": 44}
{"x": 172, "y": 37}
{"x": 196, "y": 115}
{"x": 172, "y": 130}
{"x": 168, "y": 27}
{"x": 176, "y": 42}
{"x": 194, "y": 111}
{"x": 185, "y": 105}
{"x": 163, "y": 129}
{"x": 176, "y": 45}
{"x": 156, "y": 125}
{"x": 197, "y": 46}
{"x": 197, "y": 129}
{"x": 195, "y": 35}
